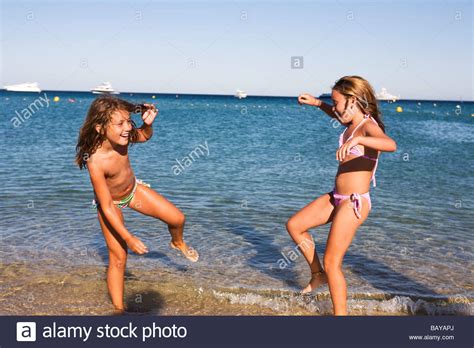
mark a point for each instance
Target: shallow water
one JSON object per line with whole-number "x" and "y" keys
{"x": 268, "y": 157}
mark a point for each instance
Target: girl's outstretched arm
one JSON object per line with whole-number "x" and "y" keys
{"x": 308, "y": 99}
{"x": 106, "y": 204}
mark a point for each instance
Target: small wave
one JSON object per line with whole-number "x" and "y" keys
{"x": 290, "y": 303}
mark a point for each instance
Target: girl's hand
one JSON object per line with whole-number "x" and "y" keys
{"x": 309, "y": 100}
{"x": 345, "y": 149}
{"x": 136, "y": 245}
{"x": 149, "y": 115}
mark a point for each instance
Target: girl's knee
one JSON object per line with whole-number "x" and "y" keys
{"x": 292, "y": 226}
{"x": 182, "y": 219}
{"x": 118, "y": 261}
{"x": 179, "y": 220}
{"x": 332, "y": 263}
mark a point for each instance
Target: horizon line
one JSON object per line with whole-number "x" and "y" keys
{"x": 222, "y": 95}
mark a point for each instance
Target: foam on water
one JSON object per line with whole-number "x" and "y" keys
{"x": 27, "y": 290}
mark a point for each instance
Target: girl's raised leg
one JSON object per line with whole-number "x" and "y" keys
{"x": 317, "y": 213}
{"x": 343, "y": 230}
{"x": 117, "y": 260}
{"x": 149, "y": 202}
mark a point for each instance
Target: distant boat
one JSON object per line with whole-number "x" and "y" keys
{"x": 384, "y": 95}
{"x": 240, "y": 94}
{"x": 104, "y": 88}
{"x": 325, "y": 95}
{"x": 24, "y": 87}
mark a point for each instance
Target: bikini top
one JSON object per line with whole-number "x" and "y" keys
{"x": 356, "y": 151}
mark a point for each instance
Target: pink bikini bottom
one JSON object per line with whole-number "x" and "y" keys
{"x": 356, "y": 200}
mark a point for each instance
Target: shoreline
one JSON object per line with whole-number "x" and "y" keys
{"x": 26, "y": 289}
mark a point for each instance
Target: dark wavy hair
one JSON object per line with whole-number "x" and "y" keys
{"x": 100, "y": 113}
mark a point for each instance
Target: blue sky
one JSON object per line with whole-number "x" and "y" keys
{"x": 416, "y": 49}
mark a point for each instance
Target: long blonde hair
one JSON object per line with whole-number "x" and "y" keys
{"x": 362, "y": 91}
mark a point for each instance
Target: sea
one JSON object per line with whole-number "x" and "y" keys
{"x": 267, "y": 158}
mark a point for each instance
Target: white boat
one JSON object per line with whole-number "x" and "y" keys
{"x": 384, "y": 95}
{"x": 240, "y": 94}
{"x": 24, "y": 87}
{"x": 104, "y": 88}
{"x": 325, "y": 95}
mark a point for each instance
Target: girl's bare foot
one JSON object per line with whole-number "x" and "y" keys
{"x": 190, "y": 253}
{"x": 317, "y": 279}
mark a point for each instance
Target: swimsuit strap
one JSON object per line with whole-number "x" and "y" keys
{"x": 355, "y": 148}
{"x": 373, "y": 119}
{"x": 341, "y": 138}
{"x": 376, "y": 159}
{"x": 373, "y": 173}
{"x": 356, "y": 204}
{"x": 365, "y": 117}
